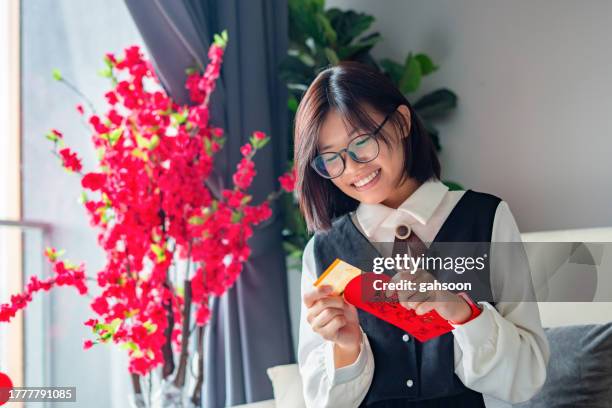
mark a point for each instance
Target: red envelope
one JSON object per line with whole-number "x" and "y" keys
{"x": 423, "y": 327}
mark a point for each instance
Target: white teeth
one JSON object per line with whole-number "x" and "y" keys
{"x": 367, "y": 179}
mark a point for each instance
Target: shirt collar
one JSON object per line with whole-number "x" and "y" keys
{"x": 421, "y": 204}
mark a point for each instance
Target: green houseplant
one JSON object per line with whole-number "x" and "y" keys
{"x": 321, "y": 37}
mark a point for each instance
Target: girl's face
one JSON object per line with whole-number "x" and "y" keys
{"x": 382, "y": 174}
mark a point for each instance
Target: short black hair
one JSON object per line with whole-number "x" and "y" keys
{"x": 348, "y": 88}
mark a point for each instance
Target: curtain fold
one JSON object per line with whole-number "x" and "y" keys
{"x": 250, "y": 328}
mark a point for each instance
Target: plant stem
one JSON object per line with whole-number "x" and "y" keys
{"x": 197, "y": 392}
{"x": 80, "y": 94}
{"x": 167, "y": 347}
{"x": 179, "y": 380}
{"x": 136, "y": 384}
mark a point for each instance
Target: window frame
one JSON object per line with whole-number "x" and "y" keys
{"x": 12, "y": 356}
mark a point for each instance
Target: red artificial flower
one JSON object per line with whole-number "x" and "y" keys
{"x": 259, "y": 135}
{"x": 93, "y": 181}
{"x": 111, "y": 98}
{"x": 287, "y": 180}
{"x": 246, "y": 149}
{"x": 244, "y": 174}
{"x": 153, "y": 208}
{"x": 70, "y": 160}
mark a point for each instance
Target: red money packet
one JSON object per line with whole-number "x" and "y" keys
{"x": 361, "y": 293}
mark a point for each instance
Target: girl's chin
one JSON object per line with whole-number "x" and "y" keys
{"x": 370, "y": 197}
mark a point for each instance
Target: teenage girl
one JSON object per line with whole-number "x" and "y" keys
{"x": 365, "y": 164}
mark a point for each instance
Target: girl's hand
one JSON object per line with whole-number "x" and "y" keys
{"x": 448, "y": 305}
{"x": 333, "y": 318}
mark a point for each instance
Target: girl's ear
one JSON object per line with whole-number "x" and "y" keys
{"x": 405, "y": 112}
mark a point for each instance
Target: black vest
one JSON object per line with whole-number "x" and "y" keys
{"x": 409, "y": 370}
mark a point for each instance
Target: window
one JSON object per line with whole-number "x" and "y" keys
{"x": 11, "y": 271}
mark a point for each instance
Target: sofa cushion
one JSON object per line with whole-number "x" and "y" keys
{"x": 579, "y": 370}
{"x": 259, "y": 404}
{"x": 287, "y": 386}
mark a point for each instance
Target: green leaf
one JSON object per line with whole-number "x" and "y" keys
{"x": 141, "y": 141}
{"x": 363, "y": 46}
{"x": 57, "y": 75}
{"x": 52, "y": 137}
{"x": 393, "y": 69}
{"x": 292, "y": 104}
{"x": 105, "y": 72}
{"x": 114, "y": 136}
{"x": 196, "y": 220}
{"x": 348, "y": 24}
{"x": 453, "y": 186}
{"x": 303, "y": 23}
{"x": 151, "y": 327}
{"x": 153, "y": 142}
{"x": 115, "y": 324}
{"x": 328, "y": 30}
{"x": 190, "y": 70}
{"x": 331, "y": 55}
{"x": 140, "y": 154}
{"x": 207, "y": 146}
{"x": 436, "y": 103}
{"x": 107, "y": 202}
{"x": 108, "y": 62}
{"x": 100, "y": 326}
{"x": 221, "y": 40}
{"x": 129, "y": 345}
{"x": 159, "y": 251}
{"x": 83, "y": 197}
{"x": 179, "y": 118}
{"x": 149, "y": 144}
{"x": 293, "y": 70}
{"x": 245, "y": 200}
{"x": 411, "y": 77}
{"x": 261, "y": 143}
{"x": 236, "y": 216}
{"x": 53, "y": 255}
{"x": 427, "y": 66}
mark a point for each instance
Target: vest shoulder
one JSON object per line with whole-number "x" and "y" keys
{"x": 338, "y": 228}
{"x": 484, "y": 198}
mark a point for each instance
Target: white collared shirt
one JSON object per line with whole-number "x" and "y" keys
{"x": 502, "y": 353}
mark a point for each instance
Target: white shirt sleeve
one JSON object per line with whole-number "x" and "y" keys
{"x": 323, "y": 384}
{"x": 503, "y": 353}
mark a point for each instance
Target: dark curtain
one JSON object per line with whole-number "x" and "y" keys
{"x": 250, "y": 328}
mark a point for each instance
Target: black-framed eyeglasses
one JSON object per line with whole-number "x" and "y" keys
{"x": 362, "y": 148}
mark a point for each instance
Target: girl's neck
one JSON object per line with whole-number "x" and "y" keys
{"x": 402, "y": 193}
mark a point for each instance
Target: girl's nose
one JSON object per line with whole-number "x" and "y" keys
{"x": 351, "y": 166}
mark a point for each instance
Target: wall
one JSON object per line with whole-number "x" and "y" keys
{"x": 535, "y": 96}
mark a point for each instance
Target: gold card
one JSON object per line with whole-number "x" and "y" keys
{"x": 338, "y": 275}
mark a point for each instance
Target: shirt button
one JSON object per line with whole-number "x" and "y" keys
{"x": 409, "y": 383}
{"x": 402, "y": 231}
{"x": 406, "y": 338}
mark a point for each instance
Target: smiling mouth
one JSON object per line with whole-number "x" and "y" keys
{"x": 367, "y": 181}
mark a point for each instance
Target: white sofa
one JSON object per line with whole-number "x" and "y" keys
{"x": 286, "y": 379}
